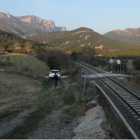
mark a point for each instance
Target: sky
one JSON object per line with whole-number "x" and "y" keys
{"x": 100, "y": 15}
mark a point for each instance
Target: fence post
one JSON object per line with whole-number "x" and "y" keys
{"x": 120, "y": 68}
{"x": 18, "y": 66}
{"x": 84, "y": 83}
{"x": 80, "y": 79}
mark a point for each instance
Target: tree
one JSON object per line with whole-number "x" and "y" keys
{"x": 17, "y": 45}
{"x": 88, "y": 51}
{"x": 74, "y": 55}
{"x": 37, "y": 50}
{"x": 53, "y": 62}
{"x": 2, "y": 49}
{"x": 56, "y": 59}
{"x": 136, "y": 63}
{"x": 28, "y": 46}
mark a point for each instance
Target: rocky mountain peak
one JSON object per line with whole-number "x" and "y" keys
{"x": 8, "y": 15}
{"x": 37, "y": 21}
{"x": 129, "y": 35}
{"x": 5, "y": 15}
{"x": 27, "y": 25}
{"x": 63, "y": 28}
{"x": 128, "y": 32}
{"x": 29, "y": 19}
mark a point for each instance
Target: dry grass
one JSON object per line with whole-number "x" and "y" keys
{"x": 44, "y": 98}
{"x": 17, "y": 91}
{"x": 11, "y": 54}
{"x": 76, "y": 92}
{"x": 27, "y": 63}
{"x": 130, "y": 64}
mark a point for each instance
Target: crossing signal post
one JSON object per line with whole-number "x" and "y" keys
{"x": 111, "y": 62}
{"x": 119, "y": 63}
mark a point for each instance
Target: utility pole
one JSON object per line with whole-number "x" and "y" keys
{"x": 84, "y": 83}
{"x": 80, "y": 79}
{"x": 120, "y": 68}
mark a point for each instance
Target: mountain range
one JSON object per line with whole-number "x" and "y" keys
{"x": 75, "y": 40}
{"x": 31, "y": 26}
{"x": 129, "y": 35}
{"x": 114, "y": 43}
{"x": 69, "y": 41}
{"x": 26, "y": 26}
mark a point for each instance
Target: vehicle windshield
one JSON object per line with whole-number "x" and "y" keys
{"x": 54, "y": 71}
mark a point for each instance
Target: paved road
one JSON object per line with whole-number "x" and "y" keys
{"x": 62, "y": 77}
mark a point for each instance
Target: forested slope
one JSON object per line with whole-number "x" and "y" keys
{"x": 74, "y": 41}
{"x": 12, "y": 43}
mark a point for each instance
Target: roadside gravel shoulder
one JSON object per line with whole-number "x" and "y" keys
{"x": 54, "y": 127}
{"x": 9, "y": 125}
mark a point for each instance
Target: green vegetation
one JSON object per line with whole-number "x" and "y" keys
{"x": 136, "y": 63}
{"x": 69, "y": 42}
{"x": 12, "y": 43}
{"x": 76, "y": 40}
{"x": 43, "y": 37}
{"x": 20, "y": 93}
{"x": 56, "y": 60}
{"x": 16, "y": 92}
{"x": 25, "y": 63}
{"x": 8, "y": 113}
{"x": 68, "y": 98}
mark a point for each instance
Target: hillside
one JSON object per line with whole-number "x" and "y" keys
{"x": 12, "y": 43}
{"x": 74, "y": 41}
{"x": 129, "y": 35}
{"x": 25, "y": 26}
{"x": 45, "y": 37}
{"x": 68, "y": 41}
{"x": 25, "y": 62}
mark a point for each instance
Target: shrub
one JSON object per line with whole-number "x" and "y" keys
{"x": 68, "y": 98}
{"x": 56, "y": 59}
{"x": 53, "y": 62}
{"x": 136, "y": 63}
{"x": 0, "y": 92}
{"x": 8, "y": 61}
{"x": 2, "y": 63}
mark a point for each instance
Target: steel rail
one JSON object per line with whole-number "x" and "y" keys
{"x": 100, "y": 71}
{"x": 111, "y": 88}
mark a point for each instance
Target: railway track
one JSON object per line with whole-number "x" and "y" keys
{"x": 127, "y": 98}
